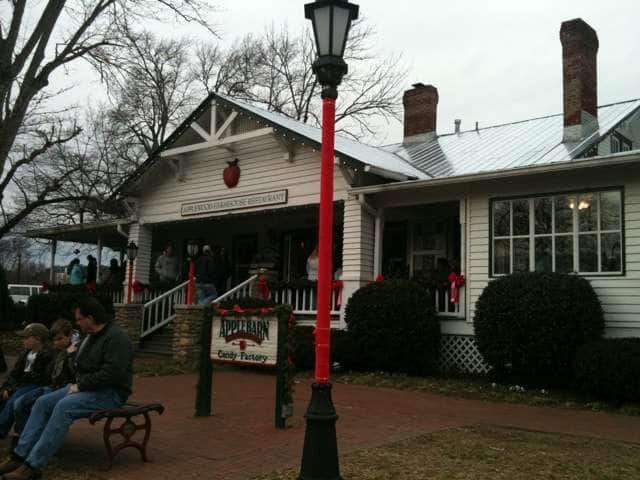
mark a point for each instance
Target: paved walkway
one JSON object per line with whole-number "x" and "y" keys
{"x": 240, "y": 441}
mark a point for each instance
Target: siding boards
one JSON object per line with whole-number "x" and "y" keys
{"x": 620, "y": 295}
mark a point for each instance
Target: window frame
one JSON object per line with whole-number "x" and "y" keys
{"x": 625, "y": 144}
{"x": 575, "y": 234}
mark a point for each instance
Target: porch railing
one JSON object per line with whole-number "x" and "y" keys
{"x": 161, "y": 310}
{"x": 304, "y": 299}
{"x": 242, "y": 290}
{"x": 443, "y": 305}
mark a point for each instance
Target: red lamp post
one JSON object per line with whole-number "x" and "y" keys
{"x": 132, "y": 253}
{"x": 192, "y": 251}
{"x": 331, "y": 24}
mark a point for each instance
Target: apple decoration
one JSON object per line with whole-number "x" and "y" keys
{"x": 231, "y": 174}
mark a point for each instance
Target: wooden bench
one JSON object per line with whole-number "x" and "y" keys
{"x": 127, "y": 428}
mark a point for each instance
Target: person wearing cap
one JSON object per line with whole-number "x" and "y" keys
{"x": 206, "y": 277}
{"x": 102, "y": 381}
{"x": 31, "y": 371}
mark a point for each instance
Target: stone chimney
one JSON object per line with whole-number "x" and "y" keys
{"x": 580, "y": 79}
{"x": 420, "y": 112}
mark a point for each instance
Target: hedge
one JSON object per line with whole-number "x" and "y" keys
{"x": 529, "y": 326}
{"x": 392, "y": 327}
{"x": 46, "y": 308}
{"x": 609, "y": 369}
{"x": 304, "y": 347}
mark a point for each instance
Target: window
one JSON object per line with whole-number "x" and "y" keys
{"x": 620, "y": 143}
{"x": 577, "y": 232}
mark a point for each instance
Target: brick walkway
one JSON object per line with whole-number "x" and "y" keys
{"x": 240, "y": 441}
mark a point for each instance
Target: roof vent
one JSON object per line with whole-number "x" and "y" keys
{"x": 457, "y": 123}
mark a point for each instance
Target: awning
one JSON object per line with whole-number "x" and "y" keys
{"x": 113, "y": 234}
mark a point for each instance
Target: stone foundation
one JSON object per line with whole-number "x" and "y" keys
{"x": 187, "y": 333}
{"x": 129, "y": 317}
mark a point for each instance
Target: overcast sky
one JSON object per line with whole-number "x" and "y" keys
{"x": 493, "y": 62}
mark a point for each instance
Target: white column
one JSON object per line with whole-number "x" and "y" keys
{"x": 52, "y": 264}
{"x": 377, "y": 246}
{"x": 99, "y": 268}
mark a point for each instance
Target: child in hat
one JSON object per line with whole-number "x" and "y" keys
{"x": 31, "y": 371}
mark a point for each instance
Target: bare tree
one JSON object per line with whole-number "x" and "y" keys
{"x": 36, "y": 40}
{"x": 275, "y": 71}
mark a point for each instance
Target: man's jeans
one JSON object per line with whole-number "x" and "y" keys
{"x": 22, "y": 407}
{"x": 7, "y": 406}
{"x": 206, "y": 293}
{"x": 51, "y": 417}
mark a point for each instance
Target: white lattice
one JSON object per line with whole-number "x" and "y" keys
{"x": 459, "y": 353}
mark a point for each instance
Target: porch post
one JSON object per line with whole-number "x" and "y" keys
{"x": 377, "y": 247}
{"x": 141, "y": 235}
{"x": 52, "y": 265}
{"x": 463, "y": 254}
{"x": 99, "y": 260}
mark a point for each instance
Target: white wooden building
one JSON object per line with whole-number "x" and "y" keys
{"x": 559, "y": 193}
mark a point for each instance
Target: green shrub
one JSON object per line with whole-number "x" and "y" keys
{"x": 304, "y": 347}
{"x": 529, "y": 326}
{"x": 392, "y": 327}
{"x": 609, "y": 369}
{"x": 46, "y": 308}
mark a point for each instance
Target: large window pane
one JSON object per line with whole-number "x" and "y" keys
{"x": 502, "y": 257}
{"x": 564, "y": 213}
{"x": 543, "y": 212}
{"x": 521, "y": 217}
{"x": 564, "y": 254}
{"x": 520, "y": 255}
{"x": 543, "y": 257}
{"x": 588, "y": 250}
{"x": 502, "y": 219}
{"x": 588, "y": 213}
{"x": 610, "y": 210}
{"x": 611, "y": 254}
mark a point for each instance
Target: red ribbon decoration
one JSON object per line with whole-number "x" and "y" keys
{"x": 263, "y": 287}
{"x": 238, "y": 309}
{"x": 337, "y": 286}
{"x": 138, "y": 286}
{"x": 380, "y": 278}
{"x": 456, "y": 281}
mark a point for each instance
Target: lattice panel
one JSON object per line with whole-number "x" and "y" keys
{"x": 459, "y": 353}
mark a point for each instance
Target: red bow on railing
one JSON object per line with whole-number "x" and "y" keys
{"x": 138, "y": 286}
{"x": 337, "y": 287}
{"x": 263, "y": 287}
{"x": 380, "y": 278}
{"x": 238, "y": 309}
{"x": 456, "y": 281}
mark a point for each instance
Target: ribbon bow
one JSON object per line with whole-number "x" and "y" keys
{"x": 263, "y": 287}
{"x": 456, "y": 281}
{"x": 337, "y": 287}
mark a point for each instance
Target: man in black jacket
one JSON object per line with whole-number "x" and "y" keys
{"x": 103, "y": 379}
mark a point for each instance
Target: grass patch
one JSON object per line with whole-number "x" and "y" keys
{"x": 481, "y": 453}
{"x": 481, "y": 388}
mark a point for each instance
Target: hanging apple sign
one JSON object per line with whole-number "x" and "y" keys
{"x": 231, "y": 174}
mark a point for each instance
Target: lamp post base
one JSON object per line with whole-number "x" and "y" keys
{"x": 320, "y": 454}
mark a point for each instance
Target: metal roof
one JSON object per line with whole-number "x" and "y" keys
{"x": 385, "y": 161}
{"x": 514, "y": 145}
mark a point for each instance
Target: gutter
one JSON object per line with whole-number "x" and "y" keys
{"x": 622, "y": 158}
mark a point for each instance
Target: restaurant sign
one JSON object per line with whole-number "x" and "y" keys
{"x": 247, "y": 340}
{"x": 224, "y": 204}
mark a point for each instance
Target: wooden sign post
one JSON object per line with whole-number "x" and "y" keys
{"x": 256, "y": 337}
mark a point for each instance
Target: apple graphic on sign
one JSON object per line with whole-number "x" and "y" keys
{"x": 231, "y": 174}
{"x": 243, "y": 345}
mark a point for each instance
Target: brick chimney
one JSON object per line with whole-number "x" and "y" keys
{"x": 420, "y": 111}
{"x": 580, "y": 79}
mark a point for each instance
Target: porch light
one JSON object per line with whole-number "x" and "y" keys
{"x": 331, "y": 21}
{"x": 192, "y": 248}
{"x": 132, "y": 251}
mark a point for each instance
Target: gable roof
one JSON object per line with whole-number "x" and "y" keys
{"x": 526, "y": 143}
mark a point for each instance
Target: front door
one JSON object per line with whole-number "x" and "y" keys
{"x": 245, "y": 247}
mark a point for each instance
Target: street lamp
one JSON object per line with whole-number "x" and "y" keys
{"x": 132, "y": 253}
{"x": 331, "y": 24}
{"x": 192, "y": 252}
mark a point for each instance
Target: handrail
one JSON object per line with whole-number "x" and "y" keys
{"x": 236, "y": 290}
{"x": 160, "y": 311}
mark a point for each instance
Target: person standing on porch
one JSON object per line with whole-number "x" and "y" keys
{"x": 206, "y": 276}
{"x": 103, "y": 379}
{"x": 312, "y": 266}
{"x": 167, "y": 266}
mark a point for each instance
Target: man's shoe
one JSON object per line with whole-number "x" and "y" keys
{"x": 10, "y": 464}
{"x": 23, "y": 472}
